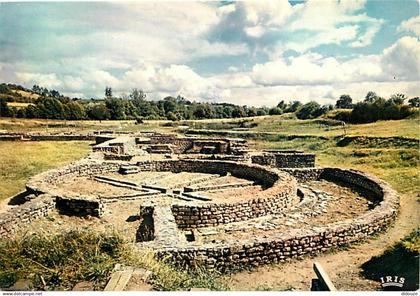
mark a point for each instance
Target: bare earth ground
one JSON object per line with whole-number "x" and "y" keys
{"x": 343, "y": 266}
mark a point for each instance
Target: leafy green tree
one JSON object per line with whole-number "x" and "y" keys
{"x": 251, "y": 112}
{"x": 169, "y": 104}
{"x": 310, "y": 110}
{"x": 397, "y": 99}
{"x": 293, "y": 107}
{"x": 344, "y": 102}
{"x": 137, "y": 95}
{"x": 116, "y": 108}
{"x": 202, "y": 111}
{"x": 51, "y": 108}
{"x": 275, "y": 111}
{"x": 4, "y": 109}
{"x": 99, "y": 112}
{"x": 4, "y": 89}
{"x": 75, "y": 111}
{"x": 262, "y": 111}
{"x": 238, "y": 112}
{"x": 371, "y": 97}
{"x": 108, "y": 92}
{"x": 414, "y": 102}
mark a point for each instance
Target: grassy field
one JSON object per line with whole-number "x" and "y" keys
{"x": 396, "y": 165}
{"x": 43, "y": 125}
{"x": 21, "y": 160}
{"x": 285, "y": 124}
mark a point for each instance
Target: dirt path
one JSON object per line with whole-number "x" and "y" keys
{"x": 342, "y": 266}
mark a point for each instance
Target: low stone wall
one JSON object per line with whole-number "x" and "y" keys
{"x": 285, "y": 159}
{"x": 123, "y": 157}
{"x": 277, "y": 247}
{"x": 17, "y": 217}
{"x": 305, "y": 174}
{"x": 79, "y": 207}
{"x": 188, "y": 217}
{"x": 11, "y": 136}
{"x": 279, "y": 195}
{"x": 42, "y": 183}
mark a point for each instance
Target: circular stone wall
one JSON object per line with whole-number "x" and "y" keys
{"x": 277, "y": 197}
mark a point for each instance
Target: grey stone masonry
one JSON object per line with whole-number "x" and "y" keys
{"x": 166, "y": 230}
{"x": 17, "y": 217}
{"x": 79, "y": 207}
{"x": 284, "y": 159}
{"x": 278, "y": 246}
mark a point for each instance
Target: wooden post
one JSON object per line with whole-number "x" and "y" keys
{"x": 324, "y": 282}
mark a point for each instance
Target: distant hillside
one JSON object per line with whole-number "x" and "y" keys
{"x": 17, "y": 93}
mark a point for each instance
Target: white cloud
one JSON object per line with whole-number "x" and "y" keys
{"x": 302, "y": 26}
{"x": 47, "y": 80}
{"x": 164, "y": 48}
{"x": 411, "y": 25}
{"x": 367, "y": 38}
{"x": 399, "y": 61}
{"x": 402, "y": 59}
{"x": 267, "y": 12}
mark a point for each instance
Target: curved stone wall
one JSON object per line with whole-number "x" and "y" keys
{"x": 298, "y": 242}
{"x": 42, "y": 183}
{"x": 279, "y": 195}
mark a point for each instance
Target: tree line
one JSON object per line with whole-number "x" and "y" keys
{"x": 50, "y": 104}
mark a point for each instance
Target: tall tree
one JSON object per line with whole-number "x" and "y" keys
{"x": 344, "y": 102}
{"x": 108, "y": 92}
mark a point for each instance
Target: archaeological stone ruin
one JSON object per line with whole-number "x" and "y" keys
{"x": 210, "y": 202}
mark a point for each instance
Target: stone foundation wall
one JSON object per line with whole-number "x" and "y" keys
{"x": 179, "y": 145}
{"x": 279, "y": 195}
{"x": 285, "y": 160}
{"x": 10, "y": 136}
{"x": 277, "y": 247}
{"x": 304, "y": 174}
{"x": 42, "y": 183}
{"x": 79, "y": 207}
{"x": 188, "y": 217}
{"x": 17, "y": 217}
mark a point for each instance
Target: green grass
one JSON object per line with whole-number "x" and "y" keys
{"x": 59, "y": 261}
{"x": 21, "y": 160}
{"x": 167, "y": 277}
{"x": 284, "y": 124}
{"x": 398, "y": 166}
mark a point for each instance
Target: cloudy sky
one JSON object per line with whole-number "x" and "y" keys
{"x": 250, "y": 52}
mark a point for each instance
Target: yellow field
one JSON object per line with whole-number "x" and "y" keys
{"x": 18, "y": 104}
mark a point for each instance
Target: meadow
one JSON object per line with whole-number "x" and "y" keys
{"x": 21, "y": 160}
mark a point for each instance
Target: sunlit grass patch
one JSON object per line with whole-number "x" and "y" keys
{"x": 21, "y": 160}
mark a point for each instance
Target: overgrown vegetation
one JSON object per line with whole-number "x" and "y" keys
{"x": 59, "y": 261}
{"x": 167, "y": 277}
